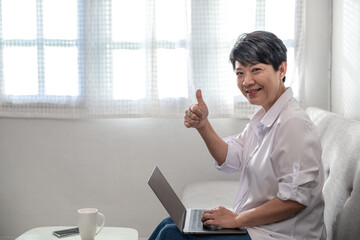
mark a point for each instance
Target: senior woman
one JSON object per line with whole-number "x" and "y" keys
{"x": 278, "y": 153}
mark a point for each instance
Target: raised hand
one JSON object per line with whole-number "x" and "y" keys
{"x": 197, "y": 114}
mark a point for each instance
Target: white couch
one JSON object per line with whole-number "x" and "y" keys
{"x": 340, "y": 139}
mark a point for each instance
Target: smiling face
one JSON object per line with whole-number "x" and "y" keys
{"x": 260, "y": 83}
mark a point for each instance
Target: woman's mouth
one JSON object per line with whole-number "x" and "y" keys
{"x": 253, "y": 92}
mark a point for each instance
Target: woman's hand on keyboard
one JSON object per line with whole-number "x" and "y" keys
{"x": 221, "y": 217}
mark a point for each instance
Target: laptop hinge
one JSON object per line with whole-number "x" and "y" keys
{"x": 183, "y": 218}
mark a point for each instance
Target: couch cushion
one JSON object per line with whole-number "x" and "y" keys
{"x": 340, "y": 139}
{"x": 209, "y": 194}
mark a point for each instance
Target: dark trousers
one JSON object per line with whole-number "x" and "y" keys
{"x": 167, "y": 230}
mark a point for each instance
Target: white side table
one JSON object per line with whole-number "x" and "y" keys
{"x": 107, "y": 233}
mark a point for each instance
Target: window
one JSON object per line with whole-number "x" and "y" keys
{"x": 114, "y": 58}
{"x": 40, "y": 52}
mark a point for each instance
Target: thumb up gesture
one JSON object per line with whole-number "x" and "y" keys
{"x": 196, "y": 115}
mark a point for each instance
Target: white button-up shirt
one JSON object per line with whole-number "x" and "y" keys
{"x": 279, "y": 155}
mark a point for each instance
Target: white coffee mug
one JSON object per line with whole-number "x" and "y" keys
{"x": 88, "y": 218}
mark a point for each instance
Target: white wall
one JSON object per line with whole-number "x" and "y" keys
{"x": 50, "y": 168}
{"x": 332, "y": 59}
{"x": 317, "y": 54}
{"x": 345, "y": 80}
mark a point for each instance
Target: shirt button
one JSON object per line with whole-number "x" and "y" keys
{"x": 296, "y": 167}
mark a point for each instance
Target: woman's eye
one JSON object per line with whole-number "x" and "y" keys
{"x": 239, "y": 74}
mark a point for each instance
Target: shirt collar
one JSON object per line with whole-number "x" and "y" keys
{"x": 268, "y": 118}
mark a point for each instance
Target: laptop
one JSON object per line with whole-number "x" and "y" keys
{"x": 187, "y": 220}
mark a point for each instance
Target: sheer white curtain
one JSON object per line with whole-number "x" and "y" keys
{"x": 138, "y": 58}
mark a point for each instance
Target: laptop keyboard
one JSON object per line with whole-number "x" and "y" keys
{"x": 195, "y": 219}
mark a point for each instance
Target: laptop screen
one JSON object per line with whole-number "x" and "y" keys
{"x": 167, "y": 197}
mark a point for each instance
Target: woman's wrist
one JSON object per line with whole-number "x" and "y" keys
{"x": 204, "y": 126}
{"x": 240, "y": 221}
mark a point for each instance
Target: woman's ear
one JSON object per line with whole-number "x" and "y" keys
{"x": 282, "y": 70}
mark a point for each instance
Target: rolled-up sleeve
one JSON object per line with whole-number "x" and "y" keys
{"x": 296, "y": 160}
{"x": 234, "y": 153}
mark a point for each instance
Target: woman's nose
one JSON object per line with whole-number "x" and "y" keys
{"x": 248, "y": 80}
